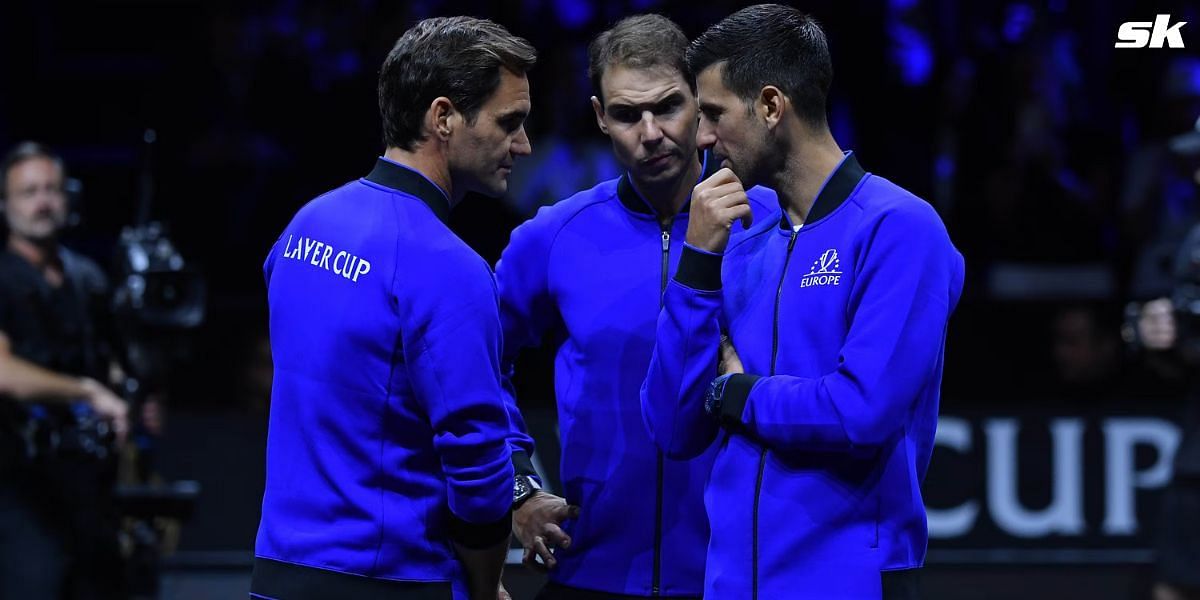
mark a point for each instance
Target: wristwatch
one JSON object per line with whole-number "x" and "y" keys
{"x": 712, "y": 399}
{"x": 524, "y": 487}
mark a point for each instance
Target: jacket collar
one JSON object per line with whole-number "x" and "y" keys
{"x": 633, "y": 201}
{"x": 837, "y": 189}
{"x": 409, "y": 181}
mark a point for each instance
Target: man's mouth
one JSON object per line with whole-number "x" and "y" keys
{"x": 656, "y": 161}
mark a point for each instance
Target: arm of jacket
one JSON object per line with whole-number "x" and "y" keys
{"x": 527, "y": 313}
{"x": 684, "y": 361}
{"x": 451, "y": 345}
{"x": 906, "y": 288}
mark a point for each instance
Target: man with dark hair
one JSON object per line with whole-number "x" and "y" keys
{"x": 388, "y": 448}
{"x": 639, "y": 529}
{"x": 811, "y": 345}
{"x": 58, "y": 535}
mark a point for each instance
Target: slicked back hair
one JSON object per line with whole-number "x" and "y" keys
{"x": 769, "y": 44}
{"x": 456, "y": 57}
{"x": 22, "y": 152}
{"x": 639, "y": 42}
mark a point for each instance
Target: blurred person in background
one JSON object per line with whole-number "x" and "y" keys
{"x": 1160, "y": 199}
{"x": 1178, "y": 548}
{"x": 1086, "y": 354}
{"x": 58, "y": 527}
{"x": 1168, "y": 329}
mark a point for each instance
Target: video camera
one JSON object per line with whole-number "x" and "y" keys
{"x": 156, "y": 297}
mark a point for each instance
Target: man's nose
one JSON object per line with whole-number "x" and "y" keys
{"x": 521, "y": 145}
{"x": 651, "y": 132}
{"x": 706, "y": 135}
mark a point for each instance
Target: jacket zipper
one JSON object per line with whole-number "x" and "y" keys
{"x": 762, "y": 455}
{"x": 655, "y": 586}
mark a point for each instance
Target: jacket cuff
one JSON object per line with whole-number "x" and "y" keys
{"x": 480, "y": 535}
{"x": 734, "y": 397}
{"x": 699, "y": 270}
{"x": 523, "y": 465}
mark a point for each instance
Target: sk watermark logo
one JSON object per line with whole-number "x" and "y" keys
{"x": 826, "y": 270}
{"x": 1144, "y": 34}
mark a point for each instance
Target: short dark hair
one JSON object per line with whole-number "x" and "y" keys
{"x": 641, "y": 42}
{"x": 455, "y": 57}
{"x": 769, "y": 44}
{"x": 22, "y": 152}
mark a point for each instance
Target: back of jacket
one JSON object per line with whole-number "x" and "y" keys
{"x": 386, "y": 423}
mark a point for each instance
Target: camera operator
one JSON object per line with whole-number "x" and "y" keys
{"x": 1168, "y": 329}
{"x": 57, "y": 528}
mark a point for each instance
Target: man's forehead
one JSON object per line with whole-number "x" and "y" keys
{"x": 641, "y": 85}
{"x": 711, "y": 80}
{"x": 511, "y": 95}
{"x": 35, "y": 165}
{"x": 711, "y": 89}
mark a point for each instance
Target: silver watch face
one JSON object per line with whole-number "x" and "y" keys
{"x": 711, "y": 399}
{"x": 521, "y": 488}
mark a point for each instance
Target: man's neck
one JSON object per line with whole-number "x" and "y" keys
{"x": 429, "y": 163}
{"x": 803, "y": 174}
{"x": 41, "y": 255}
{"x": 668, "y": 198}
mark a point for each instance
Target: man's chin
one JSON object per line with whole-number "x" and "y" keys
{"x": 656, "y": 176}
{"x": 38, "y": 236}
{"x": 748, "y": 179}
{"x": 494, "y": 189}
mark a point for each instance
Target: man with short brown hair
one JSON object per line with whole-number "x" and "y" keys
{"x": 388, "y": 468}
{"x": 58, "y": 534}
{"x": 588, "y": 273}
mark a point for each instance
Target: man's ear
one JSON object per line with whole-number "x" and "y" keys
{"x": 771, "y": 104}
{"x": 599, "y": 110}
{"x": 441, "y": 118}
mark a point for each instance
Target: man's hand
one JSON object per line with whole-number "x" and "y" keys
{"x": 108, "y": 406}
{"x": 502, "y": 594}
{"x": 729, "y": 362}
{"x": 716, "y": 203}
{"x": 537, "y": 526}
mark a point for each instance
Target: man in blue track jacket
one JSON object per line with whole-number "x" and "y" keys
{"x": 588, "y": 273}
{"x": 825, "y": 412}
{"x": 389, "y": 472}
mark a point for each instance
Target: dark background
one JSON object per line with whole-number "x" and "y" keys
{"x": 1040, "y": 144}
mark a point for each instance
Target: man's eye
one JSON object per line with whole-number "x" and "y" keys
{"x": 625, "y": 116}
{"x": 667, "y": 108}
{"x": 512, "y": 124}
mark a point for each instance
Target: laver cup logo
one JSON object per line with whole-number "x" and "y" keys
{"x": 826, "y": 270}
{"x": 1144, "y": 34}
{"x": 322, "y": 255}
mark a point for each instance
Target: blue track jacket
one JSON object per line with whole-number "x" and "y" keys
{"x": 388, "y": 436}
{"x": 824, "y": 442}
{"x": 588, "y": 274}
